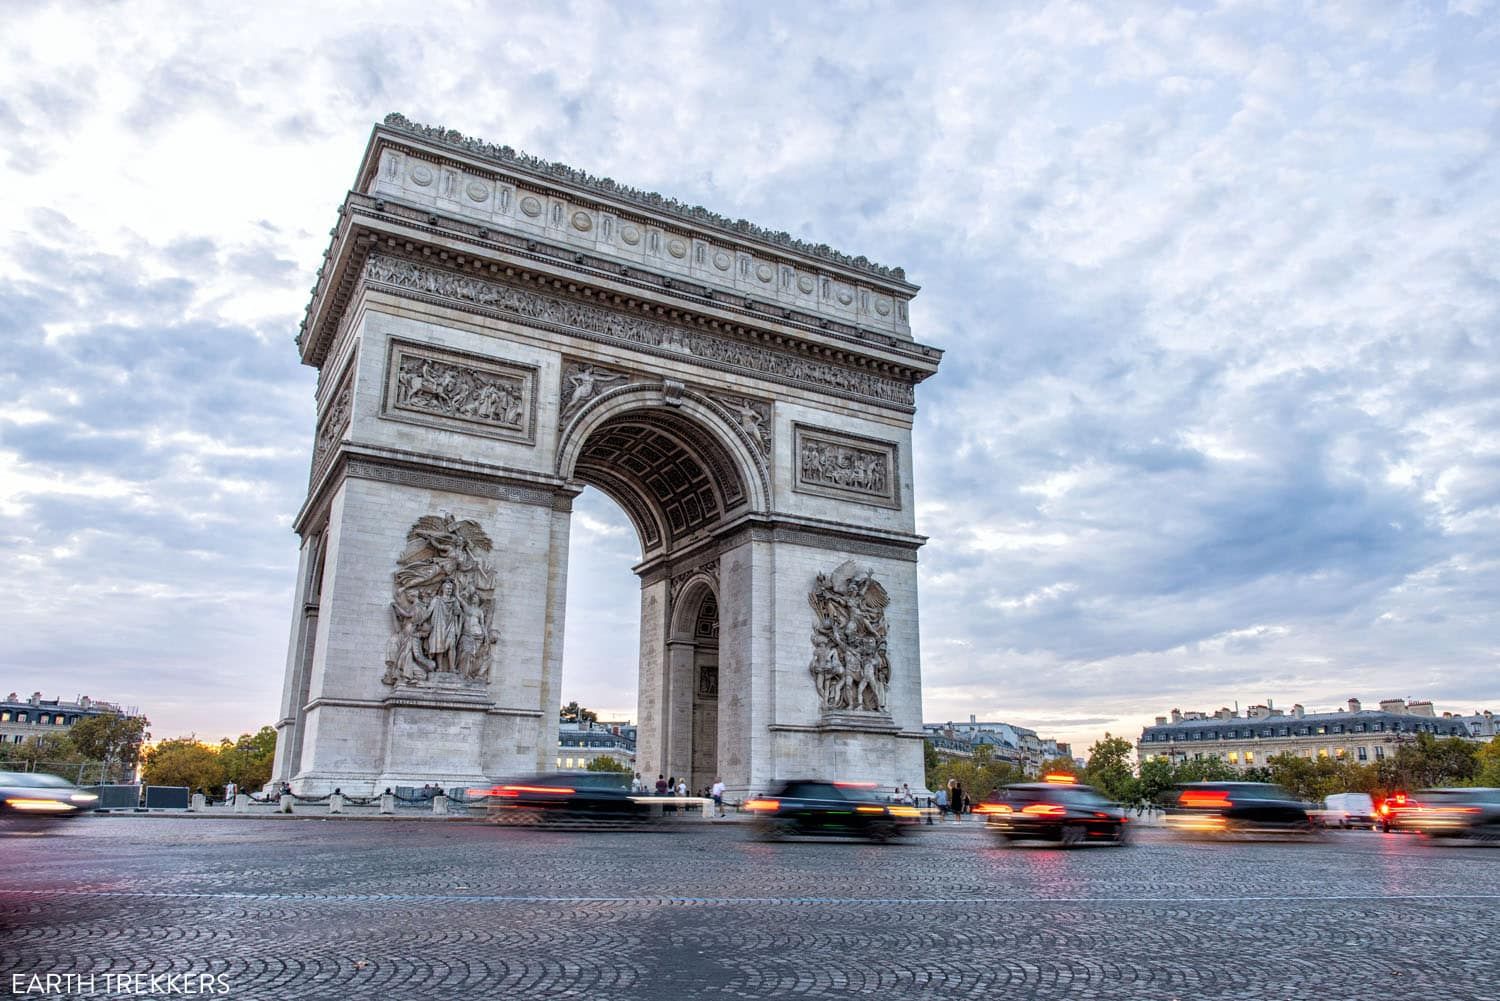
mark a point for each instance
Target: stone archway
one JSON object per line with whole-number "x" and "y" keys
{"x": 493, "y": 333}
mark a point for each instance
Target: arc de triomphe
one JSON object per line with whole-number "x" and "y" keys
{"x": 491, "y": 333}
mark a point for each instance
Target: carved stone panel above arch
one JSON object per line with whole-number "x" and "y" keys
{"x": 845, "y": 466}
{"x": 460, "y": 392}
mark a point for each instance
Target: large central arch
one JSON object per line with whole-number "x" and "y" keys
{"x": 493, "y": 334}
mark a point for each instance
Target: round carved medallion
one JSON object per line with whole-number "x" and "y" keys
{"x": 883, "y": 306}
{"x": 764, "y": 272}
{"x": 477, "y": 191}
{"x": 630, "y": 235}
{"x": 677, "y": 248}
{"x": 421, "y": 175}
{"x": 582, "y": 222}
{"x": 805, "y": 283}
{"x": 845, "y": 296}
{"x": 532, "y": 206}
{"x": 721, "y": 261}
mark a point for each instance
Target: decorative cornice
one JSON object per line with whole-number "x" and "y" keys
{"x": 648, "y": 199}
{"x": 597, "y": 322}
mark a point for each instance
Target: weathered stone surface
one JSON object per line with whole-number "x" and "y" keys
{"x": 491, "y": 340}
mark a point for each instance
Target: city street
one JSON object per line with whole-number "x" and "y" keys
{"x": 406, "y": 909}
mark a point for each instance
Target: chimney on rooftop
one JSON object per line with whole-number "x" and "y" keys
{"x": 1421, "y": 708}
{"x": 972, "y": 719}
{"x": 1392, "y": 706}
{"x": 36, "y": 698}
{"x": 1354, "y": 705}
{"x": 1176, "y": 715}
{"x": 1297, "y": 710}
{"x": 1161, "y": 721}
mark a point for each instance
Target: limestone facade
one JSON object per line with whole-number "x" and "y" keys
{"x": 492, "y": 333}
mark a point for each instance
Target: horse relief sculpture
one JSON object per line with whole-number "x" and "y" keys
{"x": 444, "y": 605}
{"x": 850, "y": 668}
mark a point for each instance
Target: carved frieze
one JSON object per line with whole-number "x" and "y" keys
{"x": 753, "y": 417}
{"x": 708, "y": 681}
{"x": 849, "y": 467}
{"x": 444, "y": 606}
{"x": 599, "y": 321}
{"x": 460, "y": 391}
{"x": 335, "y": 420}
{"x": 850, "y": 667}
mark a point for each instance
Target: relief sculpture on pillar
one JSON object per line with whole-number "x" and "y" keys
{"x": 444, "y": 605}
{"x": 850, "y": 667}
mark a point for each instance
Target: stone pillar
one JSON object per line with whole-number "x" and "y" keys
{"x": 335, "y": 802}
{"x": 242, "y": 802}
{"x": 387, "y": 803}
{"x": 651, "y": 753}
{"x": 289, "y": 726}
{"x": 198, "y": 804}
{"x": 440, "y": 805}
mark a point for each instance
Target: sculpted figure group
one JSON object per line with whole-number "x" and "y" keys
{"x": 850, "y": 667}
{"x": 444, "y": 604}
{"x": 431, "y": 386}
{"x": 841, "y": 466}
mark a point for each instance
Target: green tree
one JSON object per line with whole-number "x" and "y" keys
{"x": 111, "y": 739}
{"x": 574, "y": 713}
{"x": 1109, "y": 769}
{"x": 930, "y": 763}
{"x": 51, "y": 752}
{"x": 185, "y": 761}
{"x": 247, "y": 761}
{"x": 605, "y": 763}
{"x": 1488, "y": 764}
{"x": 1156, "y": 776}
{"x": 1058, "y": 766}
{"x": 1428, "y": 761}
{"x": 1212, "y": 769}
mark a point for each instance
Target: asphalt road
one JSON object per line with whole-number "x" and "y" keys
{"x": 412, "y": 909}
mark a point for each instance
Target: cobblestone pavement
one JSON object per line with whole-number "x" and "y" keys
{"x": 354, "y": 910}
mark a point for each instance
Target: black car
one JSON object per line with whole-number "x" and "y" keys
{"x": 1234, "y": 808}
{"x": 568, "y": 799}
{"x": 817, "y": 808}
{"x": 1057, "y": 810}
{"x": 1450, "y": 813}
{"x": 37, "y": 794}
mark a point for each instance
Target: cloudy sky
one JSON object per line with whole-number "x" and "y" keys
{"x": 1218, "y": 284}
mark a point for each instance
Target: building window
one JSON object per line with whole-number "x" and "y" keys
{"x": 1341, "y": 753}
{"x": 1338, "y": 728}
{"x": 1379, "y": 753}
{"x": 1363, "y": 753}
{"x": 20, "y": 717}
{"x": 1286, "y": 731}
{"x": 559, "y": 762}
{"x": 1234, "y": 757}
{"x": 1249, "y": 757}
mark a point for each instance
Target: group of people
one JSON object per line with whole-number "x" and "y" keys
{"x": 674, "y": 786}
{"x": 953, "y": 801}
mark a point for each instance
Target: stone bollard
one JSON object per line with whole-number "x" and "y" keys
{"x": 199, "y": 803}
{"x": 336, "y": 802}
{"x": 242, "y": 802}
{"x": 388, "y": 802}
{"x": 708, "y": 809}
{"x": 440, "y": 805}
{"x": 284, "y": 803}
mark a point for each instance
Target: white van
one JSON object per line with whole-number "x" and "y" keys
{"x": 1349, "y": 809}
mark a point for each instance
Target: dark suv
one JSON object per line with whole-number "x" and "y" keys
{"x": 1060, "y": 811}
{"x": 1450, "y": 813}
{"x": 829, "y": 809}
{"x": 1228, "y": 808}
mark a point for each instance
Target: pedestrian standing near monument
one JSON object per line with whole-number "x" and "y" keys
{"x": 716, "y": 791}
{"x": 942, "y": 803}
{"x": 661, "y": 785}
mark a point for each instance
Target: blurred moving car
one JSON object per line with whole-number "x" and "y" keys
{"x": 1450, "y": 813}
{"x": 812, "y": 807}
{"x": 1391, "y": 808}
{"x": 1056, "y": 809}
{"x": 572, "y": 799}
{"x": 37, "y": 794}
{"x": 1234, "y": 808}
{"x": 1348, "y": 809}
